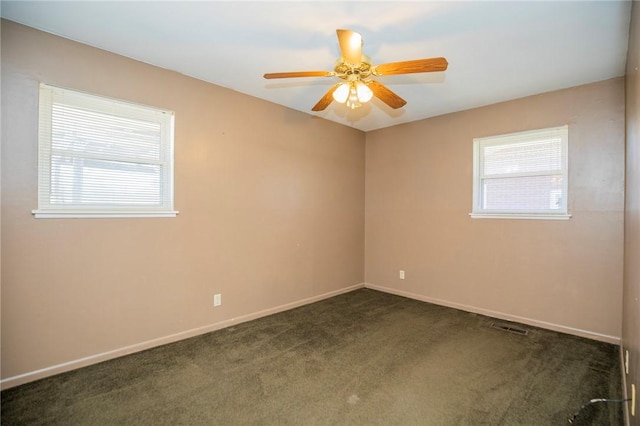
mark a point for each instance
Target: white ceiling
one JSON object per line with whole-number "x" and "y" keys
{"x": 496, "y": 50}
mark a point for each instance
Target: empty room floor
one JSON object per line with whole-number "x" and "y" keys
{"x": 361, "y": 358}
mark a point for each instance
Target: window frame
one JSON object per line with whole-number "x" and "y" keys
{"x": 51, "y": 95}
{"x": 478, "y": 212}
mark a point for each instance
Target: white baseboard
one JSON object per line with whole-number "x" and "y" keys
{"x": 104, "y": 356}
{"x": 500, "y": 315}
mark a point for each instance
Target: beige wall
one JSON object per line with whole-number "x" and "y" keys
{"x": 271, "y": 208}
{"x": 631, "y": 306}
{"x": 564, "y": 275}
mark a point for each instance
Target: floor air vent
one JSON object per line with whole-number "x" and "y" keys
{"x": 509, "y": 328}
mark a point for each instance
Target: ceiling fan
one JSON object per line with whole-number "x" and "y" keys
{"x": 357, "y": 69}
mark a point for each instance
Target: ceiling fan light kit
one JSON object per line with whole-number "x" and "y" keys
{"x": 356, "y": 70}
{"x": 353, "y": 93}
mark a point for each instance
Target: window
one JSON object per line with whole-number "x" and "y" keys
{"x": 100, "y": 157}
{"x": 521, "y": 175}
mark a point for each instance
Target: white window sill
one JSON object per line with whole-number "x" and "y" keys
{"x": 539, "y": 216}
{"x": 72, "y": 214}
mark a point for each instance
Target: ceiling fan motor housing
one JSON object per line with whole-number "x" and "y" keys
{"x": 345, "y": 70}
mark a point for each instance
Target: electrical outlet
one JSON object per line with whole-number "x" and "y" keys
{"x": 633, "y": 400}
{"x": 401, "y": 274}
{"x": 217, "y": 300}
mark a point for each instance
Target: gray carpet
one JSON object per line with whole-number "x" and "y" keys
{"x": 362, "y": 358}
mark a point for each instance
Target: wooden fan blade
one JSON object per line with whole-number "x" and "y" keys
{"x": 409, "y": 67}
{"x": 325, "y": 100}
{"x": 299, "y": 74}
{"x": 386, "y": 95}
{"x": 350, "y": 46}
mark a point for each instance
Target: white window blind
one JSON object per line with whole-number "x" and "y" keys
{"x": 521, "y": 175}
{"x": 100, "y": 157}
